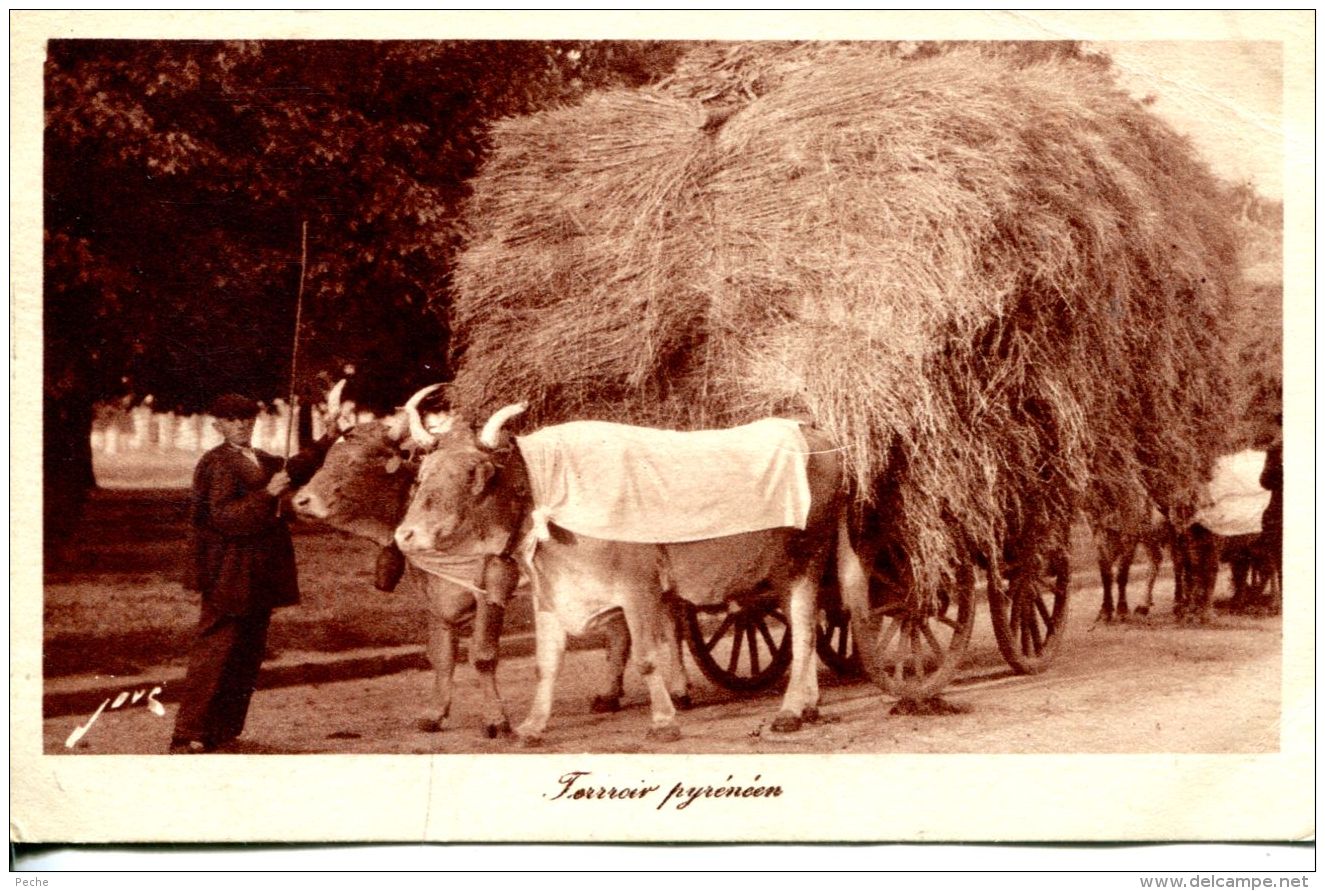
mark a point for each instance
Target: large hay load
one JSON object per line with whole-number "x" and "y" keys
{"x": 997, "y": 285}
{"x": 1256, "y": 345}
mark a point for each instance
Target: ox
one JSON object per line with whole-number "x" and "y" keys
{"x": 1228, "y": 527}
{"x": 363, "y": 488}
{"x": 1134, "y": 526}
{"x": 474, "y": 495}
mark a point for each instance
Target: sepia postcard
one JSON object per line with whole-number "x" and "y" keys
{"x": 662, "y": 427}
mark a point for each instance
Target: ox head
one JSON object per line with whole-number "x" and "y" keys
{"x": 467, "y": 499}
{"x": 364, "y": 482}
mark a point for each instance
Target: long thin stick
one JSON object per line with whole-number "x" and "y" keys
{"x": 294, "y": 352}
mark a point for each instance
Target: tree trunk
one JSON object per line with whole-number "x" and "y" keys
{"x": 67, "y": 476}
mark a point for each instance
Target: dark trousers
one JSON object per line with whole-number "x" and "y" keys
{"x": 223, "y": 670}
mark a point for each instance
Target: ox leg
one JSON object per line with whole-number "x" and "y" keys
{"x": 618, "y": 651}
{"x": 443, "y": 647}
{"x": 1124, "y": 572}
{"x": 1106, "y": 584}
{"x": 678, "y": 685}
{"x": 550, "y": 650}
{"x": 1182, "y": 572}
{"x": 648, "y": 641}
{"x": 1156, "y": 556}
{"x": 1239, "y": 578}
{"x": 801, "y": 701}
{"x": 1207, "y": 559}
{"x": 486, "y": 645}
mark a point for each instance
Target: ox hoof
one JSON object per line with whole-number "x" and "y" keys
{"x": 1105, "y": 616}
{"x": 531, "y": 740}
{"x": 811, "y": 715}
{"x": 683, "y": 702}
{"x": 429, "y": 725}
{"x": 605, "y": 704}
{"x": 498, "y": 729}
{"x": 786, "y": 723}
{"x": 665, "y": 733}
{"x": 1143, "y": 611}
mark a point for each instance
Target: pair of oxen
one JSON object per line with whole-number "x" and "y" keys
{"x": 1235, "y": 521}
{"x": 457, "y": 502}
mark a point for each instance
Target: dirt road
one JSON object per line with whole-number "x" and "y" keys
{"x": 1141, "y": 687}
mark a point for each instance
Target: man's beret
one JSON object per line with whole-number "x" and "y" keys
{"x": 232, "y": 406}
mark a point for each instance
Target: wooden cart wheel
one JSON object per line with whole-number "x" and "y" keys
{"x": 746, "y": 648}
{"x": 1028, "y": 607}
{"x": 834, "y": 641}
{"x": 913, "y": 655}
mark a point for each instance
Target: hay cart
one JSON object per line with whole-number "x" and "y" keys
{"x": 993, "y": 277}
{"x": 914, "y": 653}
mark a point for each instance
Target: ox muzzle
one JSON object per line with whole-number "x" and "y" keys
{"x": 310, "y": 504}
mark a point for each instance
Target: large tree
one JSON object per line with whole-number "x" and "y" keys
{"x": 178, "y": 175}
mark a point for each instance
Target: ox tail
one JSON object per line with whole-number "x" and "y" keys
{"x": 852, "y": 578}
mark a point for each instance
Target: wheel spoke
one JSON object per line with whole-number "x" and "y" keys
{"x": 933, "y": 641}
{"x": 754, "y": 644}
{"x": 764, "y": 632}
{"x": 886, "y": 636}
{"x": 734, "y": 656}
{"x": 1044, "y": 612}
{"x": 950, "y": 622}
{"x": 1035, "y": 634}
{"x": 717, "y": 635}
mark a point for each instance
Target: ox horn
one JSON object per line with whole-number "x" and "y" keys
{"x": 333, "y": 402}
{"x": 488, "y": 438}
{"x": 417, "y": 431}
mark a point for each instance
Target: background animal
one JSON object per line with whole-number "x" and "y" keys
{"x": 1119, "y": 534}
{"x": 1228, "y": 527}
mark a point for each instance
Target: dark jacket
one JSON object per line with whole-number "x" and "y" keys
{"x": 243, "y": 559}
{"x": 1272, "y": 478}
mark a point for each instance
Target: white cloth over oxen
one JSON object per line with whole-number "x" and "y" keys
{"x": 1235, "y": 500}
{"x": 641, "y": 485}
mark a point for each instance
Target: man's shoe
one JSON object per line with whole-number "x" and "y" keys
{"x": 188, "y": 747}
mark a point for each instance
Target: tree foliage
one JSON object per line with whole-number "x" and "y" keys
{"x": 178, "y": 175}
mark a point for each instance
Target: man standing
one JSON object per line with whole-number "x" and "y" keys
{"x": 242, "y": 562}
{"x": 1271, "y": 542}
